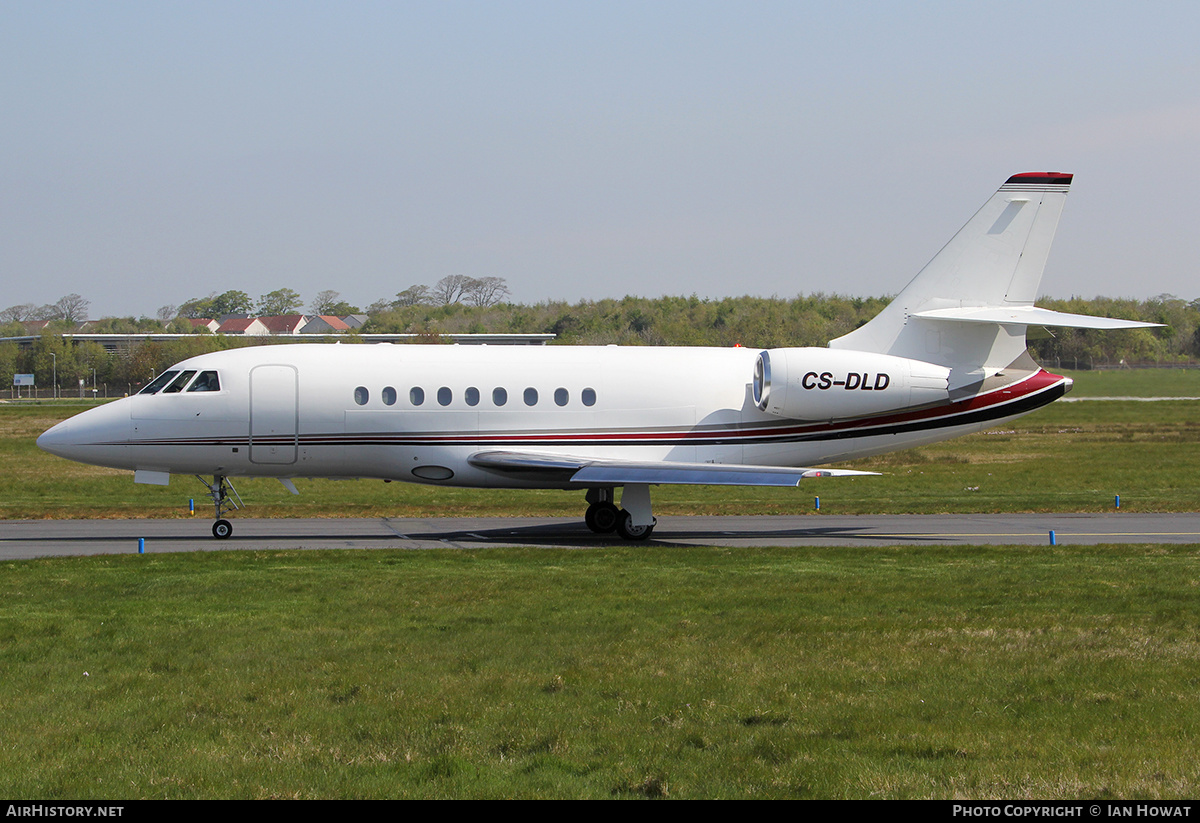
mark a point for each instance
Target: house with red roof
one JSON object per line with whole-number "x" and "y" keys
{"x": 325, "y": 324}
{"x": 284, "y": 323}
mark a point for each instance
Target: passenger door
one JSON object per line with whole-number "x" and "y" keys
{"x": 274, "y": 414}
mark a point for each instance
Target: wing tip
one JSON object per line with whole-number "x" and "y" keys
{"x": 813, "y": 473}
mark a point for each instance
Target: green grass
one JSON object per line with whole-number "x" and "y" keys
{"x": 1135, "y": 383}
{"x": 883, "y": 672}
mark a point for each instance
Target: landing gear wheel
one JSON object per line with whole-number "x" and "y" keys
{"x": 225, "y": 499}
{"x": 602, "y": 517}
{"x": 627, "y": 530}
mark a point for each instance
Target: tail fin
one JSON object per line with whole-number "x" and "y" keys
{"x": 995, "y": 261}
{"x": 969, "y": 307}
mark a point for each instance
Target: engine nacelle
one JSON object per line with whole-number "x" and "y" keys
{"x": 834, "y": 384}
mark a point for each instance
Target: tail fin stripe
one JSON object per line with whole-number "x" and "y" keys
{"x": 1050, "y": 178}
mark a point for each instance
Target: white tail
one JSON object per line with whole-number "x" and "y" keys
{"x": 969, "y": 307}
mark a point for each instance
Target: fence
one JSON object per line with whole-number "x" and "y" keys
{"x": 101, "y": 391}
{"x": 1085, "y": 364}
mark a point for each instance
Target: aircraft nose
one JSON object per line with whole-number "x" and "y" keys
{"x": 99, "y": 435}
{"x": 57, "y": 439}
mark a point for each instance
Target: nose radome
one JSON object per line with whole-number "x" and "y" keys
{"x": 99, "y": 436}
{"x": 56, "y": 439}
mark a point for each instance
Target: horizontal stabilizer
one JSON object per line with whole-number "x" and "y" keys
{"x": 591, "y": 472}
{"x": 1030, "y": 316}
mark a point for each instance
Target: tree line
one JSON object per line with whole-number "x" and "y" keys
{"x": 759, "y": 322}
{"x": 452, "y": 289}
{"x": 70, "y": 309}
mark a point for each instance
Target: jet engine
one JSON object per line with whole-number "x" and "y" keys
{"x": 834, "y": 384}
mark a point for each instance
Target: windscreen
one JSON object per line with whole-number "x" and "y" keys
{"x": 155, "y": 385}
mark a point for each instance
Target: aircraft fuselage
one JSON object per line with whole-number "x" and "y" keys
{"x": 419, "y": 413}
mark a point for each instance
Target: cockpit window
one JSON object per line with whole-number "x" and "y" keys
{"x": 179, "y": 382}
{"x": 207, "y": 381}
{"x": 155, "y": 385}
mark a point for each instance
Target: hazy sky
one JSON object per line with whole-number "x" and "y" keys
{"x": 153, "y": 152}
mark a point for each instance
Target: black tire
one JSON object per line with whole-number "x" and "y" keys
{"x": 222, "y": 529}
{"x": 627, "y": 530}
{"x": 602, "y": 518}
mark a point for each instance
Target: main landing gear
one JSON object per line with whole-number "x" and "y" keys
{"x": 225, "y": 499}
{"x": 633, "y": 522}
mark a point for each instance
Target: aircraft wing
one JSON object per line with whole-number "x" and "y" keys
{"x": 585, "y": 471}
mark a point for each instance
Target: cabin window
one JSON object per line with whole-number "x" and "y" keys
{"x": 207, "y": 381}
{"x": 389, "y": 396}
{"x": 588, "y": 396}
{"x": 361, "y": 395}
{"x": 179, "y": 382}
{"x": 471, "y": 395}
{"x": 561, "y": 396}
{"x": 157, "y": 383}
{"x": 416, "y": 395}
{"x": 499, "y": 396}
{"x": 531, "y": 396}
{"x": 445, "y": 396}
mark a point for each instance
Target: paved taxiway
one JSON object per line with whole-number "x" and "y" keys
{"x": 61, "y": 538}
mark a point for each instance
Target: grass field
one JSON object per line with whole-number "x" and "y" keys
{"x": 629, "y": 671}
{"x": 624, "y": 672}
{"x": 1135, "y": 383}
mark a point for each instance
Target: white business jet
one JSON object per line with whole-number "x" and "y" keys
{"x": 947, "y": 357}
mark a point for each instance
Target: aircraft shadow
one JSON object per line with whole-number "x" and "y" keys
{"x": 580, "y": 536}
{"x": 158, "y": 536}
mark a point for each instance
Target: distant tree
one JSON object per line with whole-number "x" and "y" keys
{"x": 72, "y": 308}
{"x": 215, "y": 306}
{"x": 380, "y": 306}
{"x": 328, "y": 304}
{"x": 18, "y": 314}
{"x": 486, "y": 291}
{"x": 414, "y": 295}
{"x": 232, "y": 302}
{"x": 8, "y": 363}
{"x": 280, "y": 301}
{"x": 197, "y": 308}
{"x": 167, "y": 313}
{"x": 450, "y": 289}
{"x": 324, "y": 301}
{"x": 52, "y": 357}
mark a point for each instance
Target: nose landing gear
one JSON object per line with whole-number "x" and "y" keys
{"x": 225, "y": 499}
